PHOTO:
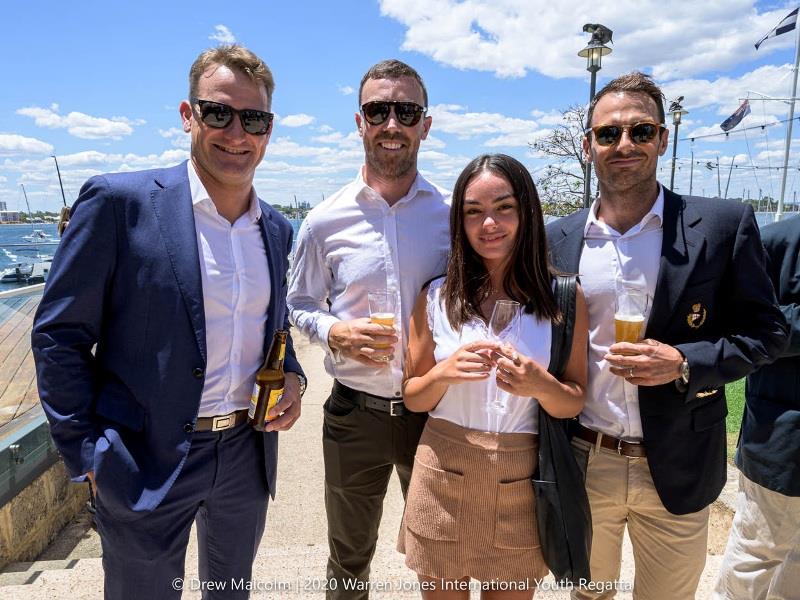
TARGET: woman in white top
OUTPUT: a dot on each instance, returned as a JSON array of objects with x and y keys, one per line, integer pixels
[{"x": 470, "y": 504}]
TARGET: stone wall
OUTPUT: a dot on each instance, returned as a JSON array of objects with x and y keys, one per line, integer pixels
[{"x": 30, "y": 521}]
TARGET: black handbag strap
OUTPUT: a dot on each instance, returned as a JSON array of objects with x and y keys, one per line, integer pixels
[{"x": 566, "y": 292}]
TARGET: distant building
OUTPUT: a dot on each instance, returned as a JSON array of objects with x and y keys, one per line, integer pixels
[
  {"x": 3, "y": 206},
  {"x": 8, "y": 216}
]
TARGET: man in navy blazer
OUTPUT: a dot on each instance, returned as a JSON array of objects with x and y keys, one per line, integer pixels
[
  {"x": 762, "y": 559},
  {"x": 163, "y": 297},
  {"x": 652, "y": 433}
]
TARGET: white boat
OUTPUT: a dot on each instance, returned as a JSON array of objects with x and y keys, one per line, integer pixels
[
  {"x": 29, "y": 273},
  {"x": 37, "y": 235}
]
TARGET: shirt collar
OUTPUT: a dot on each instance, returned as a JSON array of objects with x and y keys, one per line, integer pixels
[
  {"x": 418, "y": 186},
  {"x": 200, "y": 197},
  {"x": 653, "y": 218}
]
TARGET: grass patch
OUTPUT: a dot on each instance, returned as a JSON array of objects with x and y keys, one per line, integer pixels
[{"x": 734, "y": 392}]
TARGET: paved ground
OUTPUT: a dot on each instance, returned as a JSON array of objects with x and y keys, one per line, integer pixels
[{"x": 291, "y": 560}]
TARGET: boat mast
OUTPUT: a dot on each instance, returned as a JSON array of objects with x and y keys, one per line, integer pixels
[
  {"x": 30, "y": 216},
  {"x": 779, "y": 212},
  {"x": 61, "y": 185}
]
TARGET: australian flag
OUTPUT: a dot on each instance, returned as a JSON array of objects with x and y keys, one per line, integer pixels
[
  {"x": 736, "y": 117},
  {"x": 785, "y": 26}
]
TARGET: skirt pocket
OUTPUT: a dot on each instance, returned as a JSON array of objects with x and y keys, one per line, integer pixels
[
  {"x": 434, "y": 502},
  {"x": 515, "y": 520}
]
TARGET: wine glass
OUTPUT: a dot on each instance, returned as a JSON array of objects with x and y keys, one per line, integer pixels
[{"x": 503, "y": 328}]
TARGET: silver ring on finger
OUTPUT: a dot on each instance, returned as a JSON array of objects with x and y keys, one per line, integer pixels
[{"x": 630, "y": 373}]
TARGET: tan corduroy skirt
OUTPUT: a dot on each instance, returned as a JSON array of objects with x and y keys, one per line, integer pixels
[{"x": 470, "y": 506}]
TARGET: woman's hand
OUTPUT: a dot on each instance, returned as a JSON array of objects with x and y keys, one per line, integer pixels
[
  {"x": 471, "y": 362},
  {"x": 518, "y": 374}
]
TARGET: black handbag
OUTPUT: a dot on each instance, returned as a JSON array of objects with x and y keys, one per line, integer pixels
[{"x": 562, "y": 505}]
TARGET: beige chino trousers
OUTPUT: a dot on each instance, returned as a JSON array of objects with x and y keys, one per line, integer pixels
[{"x": 669, "y": 550}]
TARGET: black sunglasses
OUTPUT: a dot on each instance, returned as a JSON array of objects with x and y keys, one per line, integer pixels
[
  {"x": 407, "y": 113},
  {"x": 640, "y": 133},
  {"x": 219, "y": 116}
]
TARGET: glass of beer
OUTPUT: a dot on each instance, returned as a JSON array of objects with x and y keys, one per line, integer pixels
[
  {"x": 630, "y": 307},
  {"x": 382, "y": 310}
]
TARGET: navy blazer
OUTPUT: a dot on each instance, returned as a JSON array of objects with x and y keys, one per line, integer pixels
[
  {"x": 126, "y": 278},
  {"x": 714, "y": 302},
  {"x": 769, "y": 443}
]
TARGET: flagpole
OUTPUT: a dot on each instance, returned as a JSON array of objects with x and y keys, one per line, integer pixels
[{"x": 779, "y": 211}]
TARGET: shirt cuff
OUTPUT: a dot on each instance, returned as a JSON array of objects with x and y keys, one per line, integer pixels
[{"x": 324, "y": 325}]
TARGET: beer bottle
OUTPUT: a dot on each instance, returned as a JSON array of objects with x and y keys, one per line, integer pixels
[{"x": 268, "y": 389}]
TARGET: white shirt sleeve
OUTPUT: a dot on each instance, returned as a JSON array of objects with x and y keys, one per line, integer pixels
[{"x": 310, "y": 285}]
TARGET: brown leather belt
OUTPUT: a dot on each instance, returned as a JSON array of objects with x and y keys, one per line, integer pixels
[
  {"x": 629, "y": 449},
  {"x": 393, "y": 406},
  {"x": 222, "y": 422}
]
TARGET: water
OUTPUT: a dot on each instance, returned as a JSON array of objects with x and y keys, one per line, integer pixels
[
  {"x": 14, "y": 234},
  {"x": 11, "y": 255}
]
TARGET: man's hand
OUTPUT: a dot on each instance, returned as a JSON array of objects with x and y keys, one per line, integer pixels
[
  {"x": 289, "y": 406},
  {"x": 369, "y": 343},
  {"x": 645, "y": 363}
]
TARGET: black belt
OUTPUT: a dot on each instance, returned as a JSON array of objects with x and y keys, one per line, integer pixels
[
  {"x": 629, "y": 449},
  {"x": 393, "y": 406},
  {"x": 221, "y": 422}
]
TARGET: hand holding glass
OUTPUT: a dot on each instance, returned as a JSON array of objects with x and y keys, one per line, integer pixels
[
  {"x": 503, "y": 328},
  {"x": 382, "y": 310}
]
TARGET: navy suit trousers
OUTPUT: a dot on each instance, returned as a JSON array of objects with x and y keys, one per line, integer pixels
[{"x": 222, "y": 487}]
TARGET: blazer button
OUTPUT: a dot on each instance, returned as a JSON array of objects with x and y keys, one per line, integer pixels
[
  {"x": 188, "y": 428},
  {"x": 198, "y": 373}
]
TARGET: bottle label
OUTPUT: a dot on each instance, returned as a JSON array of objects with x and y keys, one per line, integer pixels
[
  {"x": 275, "y": 396},
  {"x": 251, "y": 411}
]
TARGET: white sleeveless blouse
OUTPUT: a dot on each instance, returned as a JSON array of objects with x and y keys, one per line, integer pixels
[{"x": 466, "y": 403}]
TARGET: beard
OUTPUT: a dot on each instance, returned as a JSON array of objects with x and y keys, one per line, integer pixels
[{"x": 390, "y": 165}]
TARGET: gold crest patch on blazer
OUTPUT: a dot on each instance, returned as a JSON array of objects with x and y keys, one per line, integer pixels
[{"x": 697, "y": 317}]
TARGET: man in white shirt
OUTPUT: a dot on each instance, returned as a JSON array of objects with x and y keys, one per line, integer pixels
[
  {"x": 386, "y": 231},
  {"x": 652, "y": 434},
  {"x": 178, "y": 276}
]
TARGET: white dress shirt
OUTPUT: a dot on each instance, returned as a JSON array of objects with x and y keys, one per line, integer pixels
[
  {"x": 467, "y": 404},
  {"x": 608, "y": 257},
  {"x": 354, "y": 243},
  {"x": 236, "y": 293}
]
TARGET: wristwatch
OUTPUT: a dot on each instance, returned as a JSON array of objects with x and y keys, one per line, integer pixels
[
  {"x": 684, "y": 370},
  {"x": 301, "y": 379}
]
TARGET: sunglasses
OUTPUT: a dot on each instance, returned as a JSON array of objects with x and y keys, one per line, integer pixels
[
  {"x": 219, "y": 116},
  {"x": 407, "y": 113},
  {"x": 639, "y": 133}
]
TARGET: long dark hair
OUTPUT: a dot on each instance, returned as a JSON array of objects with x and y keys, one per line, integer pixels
[{"x": 528, "y": 277}]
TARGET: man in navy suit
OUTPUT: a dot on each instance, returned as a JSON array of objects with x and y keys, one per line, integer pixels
[
  {"x": 762, "y": 559},
  {"x": 652, "y": 434},
  {"x": 177, "y": 278}
]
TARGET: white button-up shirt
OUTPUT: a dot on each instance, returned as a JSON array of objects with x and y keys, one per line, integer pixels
[
  {"x": 236, "y": 293},
  {"x": 608, "y": 258},
  {"x": 353, "y": 243}
]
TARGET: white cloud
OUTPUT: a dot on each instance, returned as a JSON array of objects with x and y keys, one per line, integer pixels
[
  {"x": 177, "y": 136},
  {"x": 223, "y": 35},
  {"x": 80, "y": 124},
  {"x": 346, "y": 90},
  {"x": 512, "y": 37},
  {"x": 12, "y": 144},
  {"x": 457, "y": 120},
  {"x": 432, "y": 143},
  {"x": 298, "y": 120}
]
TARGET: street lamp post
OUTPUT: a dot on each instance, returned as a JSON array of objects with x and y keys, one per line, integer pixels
[
  {"x": 677, "y": 112},
  {"x": 594, "y": 52}
]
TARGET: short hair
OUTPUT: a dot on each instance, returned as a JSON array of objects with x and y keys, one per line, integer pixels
[
  {"x": 236, "y": 57},
  {"x": 529, "y": 276},
  {"x": 392, "y": 69},
  {"x": 635, "y": 82}
]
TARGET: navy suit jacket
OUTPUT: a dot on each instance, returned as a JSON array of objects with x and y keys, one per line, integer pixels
[
  {"x": 126, "y": 281},
  {"x": 769, "y": 443},
  {"x": 711, "y": 256}
]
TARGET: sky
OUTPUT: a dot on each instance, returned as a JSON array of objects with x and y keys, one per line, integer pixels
[{"x": 98, "y": 84}]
